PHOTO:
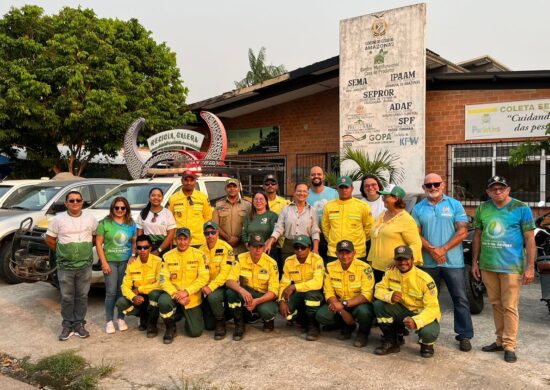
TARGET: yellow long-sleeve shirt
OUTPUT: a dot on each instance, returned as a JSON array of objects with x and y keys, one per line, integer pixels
[
  {"x": 276, "y": 205},
  {"x": 219, "y": 261},
  {"x": 419, "y": 293},
  {"x": 185, "y": 271},
  {"x": 143, "y": 276},
  {"x": 262, "y": 276},
  {"x": 349, "y": 219},
  {"x": 386, "y": 236},
  {"x": 307, "y": 276},
  {"x": 346, "y": 284},
  {"x": 192, "y": 214}
]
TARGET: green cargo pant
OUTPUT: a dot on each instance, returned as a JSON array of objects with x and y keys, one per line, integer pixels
[
  {"x": 194, "y": 324},
  {"x": 266, "y": 310},
  {"x": 305, "y": 303},
  {"x": 391, "y": 316},
  {"x": 149, "y": 304},
  {"x": 213, "y": 308},
  {"x": 362, "y": 313}
]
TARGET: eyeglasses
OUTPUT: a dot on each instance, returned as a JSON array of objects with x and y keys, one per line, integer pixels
[
  {"x": 75, "y": 201},
  {"x": 154, "y": 219},
  {"x": 430, "y": 185},
  {"x": 370, "y": 185},
  {"x": 259, "y": 200},
  {"x": 191, "y": 203},
  {"x": 498, "y": 189},
  {"x": 210, "y": 233},
  {"x": 300, "y": 248},
  {"x": 270, "y": 183},
  {"x": 142, "y": 248},
  {"x": 120, "y": 208}
]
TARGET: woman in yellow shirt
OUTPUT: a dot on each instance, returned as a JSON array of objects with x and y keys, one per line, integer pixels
[{"x": 394, "y": 227}]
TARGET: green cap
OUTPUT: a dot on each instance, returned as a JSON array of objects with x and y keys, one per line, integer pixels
[
  {"x": 345, "y": 245},
  {"x": 210, "y": 225},
  {"x": 395, "y": 191},
  {"x": 232, "y": 181},
  {"x": 302, "y": 240},
  {"x": 402, "y": 252},
  {"x": 256, "y": 240},
  {"x": 183, "y": 230},
  {"x": 344, "y": 181}
]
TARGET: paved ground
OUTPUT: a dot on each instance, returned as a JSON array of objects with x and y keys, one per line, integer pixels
[{"x": 29, "y": 325}]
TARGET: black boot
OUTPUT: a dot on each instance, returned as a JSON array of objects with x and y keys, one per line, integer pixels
[
  {"x": 238, "y": 318},
  {"x": 312, "y": 333},
  {"x": 426, "y": 351},
  {"x": 170, "y": 330},
  {"x": 143, "y": 320},
  {"x": 345, "y": 332},
  {"x": 152, "y": 330},
  {"x": 269, "y": 326},
  {"x": 361, "y": 339},
  {"x": 219, "y": 332},
  {"x": 389, "y": 341}
]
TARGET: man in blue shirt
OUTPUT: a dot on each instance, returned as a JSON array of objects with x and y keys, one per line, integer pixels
[
  {"x": 443, "y": 224},
  {"x": 319, "y": 196}
]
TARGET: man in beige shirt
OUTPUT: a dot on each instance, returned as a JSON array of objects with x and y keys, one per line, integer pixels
[{"x": 229, "y": 213}]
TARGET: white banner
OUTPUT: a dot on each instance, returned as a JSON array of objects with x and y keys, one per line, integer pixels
[
  {"x": 521, "y": 119},
  {"x": 383, "y": 87},
  {"x": 175, "y": 139}
]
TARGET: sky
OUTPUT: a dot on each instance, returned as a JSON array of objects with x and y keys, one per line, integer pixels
[{"x": 211, "y": 38}]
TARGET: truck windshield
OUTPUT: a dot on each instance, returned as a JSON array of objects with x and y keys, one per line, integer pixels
[
  {"x": 137, "y": 195},
  {"x": 31, "y": 197},
  {"x": 4, "y": 189}
]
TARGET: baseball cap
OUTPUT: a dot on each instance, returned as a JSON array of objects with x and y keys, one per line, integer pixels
[
  {"x": 232, "y": 181},
  {"x": 188, "y": 173},
  {"x": 395, "y": 191},
  {"x": 256, "y": 240},
  {"x": 345, "y": 245},
  {"x": 302, "y": 239},
  {"x": 497, "y": 180},
  {"x": 210, "y": 225},
  {"x": 183, "y": 230},
  {"x": 270, "y": 177},
  {"x": 344, "y": 181},
  {"x": 402, "y": 252}
]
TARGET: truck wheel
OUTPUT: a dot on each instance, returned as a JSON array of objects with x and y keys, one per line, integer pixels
[
  {"x": 5, "y": 257},
  {"x": 473, "y": 291}
]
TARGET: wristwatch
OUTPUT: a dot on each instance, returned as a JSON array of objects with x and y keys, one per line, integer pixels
[{"x": 345, "y": 303}]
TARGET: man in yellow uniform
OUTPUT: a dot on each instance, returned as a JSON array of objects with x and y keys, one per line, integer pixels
[
  {"x": 219, "y": 260},
  {"x": 300, "y": 290},
  {"x": 276, "y": 202},
  {"x": 346, "y": 218},
  {"x": 182, "y": 278},
  {"x": 229, "y": 214},
  {"x": 190, "y": 207},
  {"x": 141, "y": 287},
  {"x": 348, "y": 288},
  {"x": 407, "y": 298},
  {"x": 254, "y": 284}
]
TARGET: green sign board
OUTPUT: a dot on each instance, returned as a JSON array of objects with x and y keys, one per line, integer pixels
[{"x": 253, "y": 141}]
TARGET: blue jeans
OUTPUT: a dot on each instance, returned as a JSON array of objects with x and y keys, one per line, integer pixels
[
  {"x": 456, "y": 284},
  {"x": 74, "y": 286},
  {"x": 113, "y": 281}
]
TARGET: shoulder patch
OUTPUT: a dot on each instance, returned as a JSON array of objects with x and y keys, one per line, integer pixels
[
  {"x": 368, "y": 270},
  {"x": 431, "y": 285}
]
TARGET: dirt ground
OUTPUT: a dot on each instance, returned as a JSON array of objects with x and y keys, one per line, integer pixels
[{"x": 30, "y": 323}]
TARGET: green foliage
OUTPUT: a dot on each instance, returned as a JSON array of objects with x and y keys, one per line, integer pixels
[
  {"x": 184, "y": 383},
  {"x": 384, "y": 165},
  {"x": 259, "y": 71},
  {"x": 80, "y": 80},
  {"x": 521, "y": 153},
  {"x": 66, "y": 370}
]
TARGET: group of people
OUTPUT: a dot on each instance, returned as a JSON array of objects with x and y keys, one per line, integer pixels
[{"x": 327, "y": 259}]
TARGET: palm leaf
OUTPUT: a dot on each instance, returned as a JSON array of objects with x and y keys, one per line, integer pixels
[{"x": 385, "y": 165}]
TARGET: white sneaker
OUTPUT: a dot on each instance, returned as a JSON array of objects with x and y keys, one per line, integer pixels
[
  {"x": 122, "y": 325},
  {"x": 110, "y": 327}
]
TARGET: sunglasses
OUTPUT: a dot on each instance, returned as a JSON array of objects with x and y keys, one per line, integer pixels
[
  {"x": 154, "y": 219},
  {"x": 142, "y": 248},
  {"x": 430, "y": 185},
  {"x": 270, "y": 183},
  {"x": 75, "y": 201},
  {"x": 210, "y": 233},
  {"x": 300, "y": 248},
  {"x": 190, "y": 201},
  {"x": 120, "y": 208}
]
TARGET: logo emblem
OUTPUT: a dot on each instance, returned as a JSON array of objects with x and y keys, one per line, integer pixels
[
  {"x": 401, "y": 249},
  {"x": 344, "y": 244},
  {"x": 379, "y": 26},
  {"x": 495, "y": 229}
]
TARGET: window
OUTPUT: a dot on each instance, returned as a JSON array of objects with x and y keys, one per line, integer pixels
[{"x": 471, "y": 165}]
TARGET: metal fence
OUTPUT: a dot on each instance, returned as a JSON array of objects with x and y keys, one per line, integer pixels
[{"x": 328, "y": 161}]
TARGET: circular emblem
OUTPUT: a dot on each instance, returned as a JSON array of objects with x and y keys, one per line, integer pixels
[
  {"x": 120, "y": 239},
  {"x": 379, "y": 27},
  {"x": 257, "y": 238},
  {"x": 401, "y": 249},
  {"x": 495, "y": 229},
  {"x": 345, "y": 244},
  {"x": 496, "y": 178}
]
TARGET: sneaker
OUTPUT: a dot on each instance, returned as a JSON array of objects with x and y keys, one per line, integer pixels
[
  {"x": 122, "y": 325},
  {"x": 464, "y": 345},
  {"x": 65, "y": 334},
  {"x": 81, "y": 331},
  {"x": 110, "y": 327}
]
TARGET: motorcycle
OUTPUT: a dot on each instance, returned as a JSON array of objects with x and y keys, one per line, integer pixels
[{"x": 542, "y": 263}]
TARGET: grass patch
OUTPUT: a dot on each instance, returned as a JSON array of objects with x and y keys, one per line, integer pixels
[
  {"x": 184, "y": 383},
  {"x": 66, "y": 371}
]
